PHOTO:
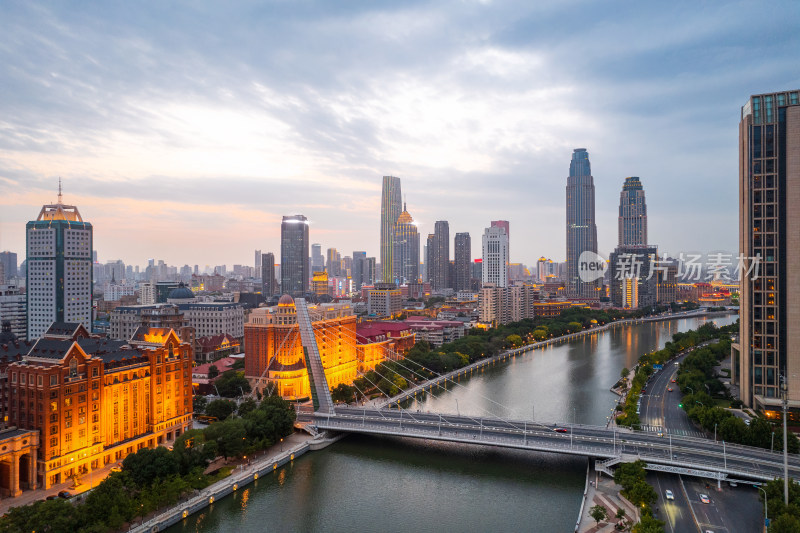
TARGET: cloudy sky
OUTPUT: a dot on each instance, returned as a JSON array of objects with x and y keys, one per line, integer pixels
[{"x": 185, "y": 130}]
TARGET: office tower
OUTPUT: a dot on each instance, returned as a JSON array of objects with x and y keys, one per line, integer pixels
[
  {"x": 390, "y": 211},
  {"x": 357, "y": 275},
  {"x": 429, "y": 258},
  {"x": 317, "y": 259},
  {"x": 334, "y": 262},
  {"x": 14, "y": 310},
  {"x": 294, "y": 255},
  {"x": 59, "y": 264},
  {"x": 406, "y": 249},
  {"x": 633, "y": 276},
  {"x": 769, "y": 227},
  {"x": 495, "y": 257},
  {"x": 440, "y": 256},
  {"x": 632, "y": 214},
  {"x": 505, "y": 225},
  {"x": 9, "y": 262},
  {"x": 268, "y": 281},
  {"x": 581, "y": 228},
  {"x": 463, "y": 261},
  {"x": 368, "y": 271}
]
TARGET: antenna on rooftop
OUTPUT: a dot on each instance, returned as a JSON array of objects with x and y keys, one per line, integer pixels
[{"x": 60, "y": 196}]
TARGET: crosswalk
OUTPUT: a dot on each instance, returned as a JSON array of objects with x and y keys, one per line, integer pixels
[{"x": 678, "y": 432}]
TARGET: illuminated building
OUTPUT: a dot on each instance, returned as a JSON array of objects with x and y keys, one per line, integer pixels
[
  {"x": 632, "y": 214},
  {"x": 125, "y": 320},
  {"x": 495, "y": 256},
  {"x": 59, "y": 268},
  {"x": 666, "y": 284},
  {"x": 629, "y": 287},
  {"x": 385, "y": 300},
  {"x": 274, "y": 353},
  {"x": 319, "y": 284},
  {"x": 214, "y": 318},
  {"x": 334, "y": 262},
  {"x": 294, "y": 255},
  {"x": 406, "y": 249},
  {"x": 581, "y": 227},
  {"x": 390, "y": 211},
  {"x": 93, "y": 400},
  {"x": 769, "y": 227},
  {"x": 462, "y": 245},
  {"x": 633, "y": 262}
]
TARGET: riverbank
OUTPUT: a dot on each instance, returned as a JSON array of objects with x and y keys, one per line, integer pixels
[
  {"x": 295, "y": 445},
  {"x": 477, "y": 365}
]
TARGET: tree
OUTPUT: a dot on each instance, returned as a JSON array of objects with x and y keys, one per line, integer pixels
[
  {"x": 221, "y": 409},
  {"x": 199, "y": 404},
  {"x": 514, "y": 341},
  {"x": 246, "y": 406},
  {"x": 229, "y": 435},
  {"x": 344, "y": 393},
  {"x": 620, "y": 513},
  {"x": 213, "y": 371},
  {"x": 624, "y": 373},
  {"x": 232, "y": 383},
  {"x": 598, "y": 513},
  {"x": 648, "y": 524},
  {"x": 150, "y": 464},
  {"x": 785, "y": 523}
]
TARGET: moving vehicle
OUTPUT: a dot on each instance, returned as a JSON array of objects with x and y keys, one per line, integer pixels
[
  {"x": 669, "y": 495},
  {"x": 673, "y": 381},
  {"x": 670, "y": 390},
  {"x": 704, "y": 498},
  {"x": 65, "y": 494},
  {"x": 560, "y": 430},
  {"x": 116, "y": 469}
]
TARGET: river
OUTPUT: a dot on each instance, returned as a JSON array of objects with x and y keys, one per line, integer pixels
[{"x": 383, "y": 484}]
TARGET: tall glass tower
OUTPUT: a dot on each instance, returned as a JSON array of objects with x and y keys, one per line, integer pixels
[
  {"x": 632, "y": 214},
  {"x": 406, "y": 249},
  {"x": 390, "y": 211},
  {"x": 59, "y": 268},
  {"x": 463, "y": 261},
  {"x": 581, "y": 228},
  {"x": 294, "y": 255}
]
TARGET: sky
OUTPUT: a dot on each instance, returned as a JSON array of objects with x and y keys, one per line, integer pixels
[{"x": 184, "y": 130}]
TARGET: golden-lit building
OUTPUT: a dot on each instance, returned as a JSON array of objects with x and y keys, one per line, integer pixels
[
  {"x": 95, "y": 400},
  {"x": 319, "y": 283},
  {"x": 274, "y": 357}
]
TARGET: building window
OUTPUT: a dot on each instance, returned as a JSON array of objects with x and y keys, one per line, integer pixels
[
  {"x": 53, "y": 380},
  {"x": 73, "y": 368},
  {"x": 95, "y": 372}
]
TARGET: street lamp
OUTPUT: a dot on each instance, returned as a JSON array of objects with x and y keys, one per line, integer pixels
[{"x": 765, "y": 504}]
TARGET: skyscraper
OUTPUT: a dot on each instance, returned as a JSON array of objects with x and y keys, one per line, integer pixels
[
  {"x": 406, "y": 249},
  {"x": 463, "y": 261},
  {"x": 258, "y": 262},
  {"x": 294, "y": 255},
  {"x": 59, "y": 268},
  {"x": 358, "y": 269},
  {"x": 429, "y": 257},
  {"x": 440, "y": 256},
  {"x": 581, "y": 228},
  {"x": 632, "y": 214},
  {"x": 268, "y": 281},
  {"x": 769, "y": 228},
  {"x": 9, "y": 262},
  {"x": 495, "y": 256},
  {"x": 334, "y": 264},
  {"x": 390, "y": 210},
  {"x": 506, "y": 226},
  {"x": 317, "y": 259}
]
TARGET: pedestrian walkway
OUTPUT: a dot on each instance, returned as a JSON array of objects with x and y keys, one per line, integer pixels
[
  {"x": 677, "y": 432},
  {"x": 603, "y": 491}
]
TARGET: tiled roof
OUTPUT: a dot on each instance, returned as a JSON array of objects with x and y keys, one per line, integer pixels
[{"x": 63, "y": 328}]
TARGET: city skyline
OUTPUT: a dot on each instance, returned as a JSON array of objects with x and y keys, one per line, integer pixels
[{"x": 159, "y": 133}]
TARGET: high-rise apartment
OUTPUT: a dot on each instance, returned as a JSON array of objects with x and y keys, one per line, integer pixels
[
  {"x": 390, "y": 211},
  {"x": 632, "y": 214},
  {"x": 258, "y": 262},
  {"x": 462, "y": 245},
  {"x": 268, "y": 280},
  {"x": 495, "y": 257},
  {"x": 334, "y": 263},
  {"x": 406, "y": 249},
  {"x": 9, "y": 262},
  {"x": 317, "y": 259},
  {"x": 440, "y": 256},
  {"x": 769, "y": 239},
  {"x": 581, "y": 228},
  {"x": 357, "y": 274},
  {"x": 59, "y": 268},
  {"x": 294, "y": 255}
]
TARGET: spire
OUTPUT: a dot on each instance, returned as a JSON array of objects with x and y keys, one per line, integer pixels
[{"x": 60, "y": 196}]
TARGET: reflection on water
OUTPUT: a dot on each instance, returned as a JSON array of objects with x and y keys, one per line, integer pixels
[{"x": 370, "y": 484}]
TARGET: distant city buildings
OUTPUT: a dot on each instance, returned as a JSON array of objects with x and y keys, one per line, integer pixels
[
  {"x": 439, "y": 256},
  {"x": 632, "y": 214},
  {"x": 294, "y": 255},
  {"x": 406, "y": 249},
  {"x": 14, "y": 310},
  {"x": 8, "y": 260},
  {"x": 390, "y": 211},
  {"x": 581, "y": 227},
  {"x": 59, "y": 268},
  {"x": 463, "y": 262},
  {"x": 769, "y": 241},
  {"x": 495, "y": 256}
]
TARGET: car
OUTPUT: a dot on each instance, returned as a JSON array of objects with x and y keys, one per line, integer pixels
[
  {"x": 65, "y": 494},
  {"x": 673, "y": 381},
  {"x": 52, "y": 497},
  {"x": 116, "y": 469},
  {"x": 747, "y": 423},
  {"x": 560, "y": 430},
  {"x": 643, "y": 391},
  {"x": 733, "y": 484},
  {"x": 660, "y": 433},
  {"x": 669, "y": 389},
  {"x": 704, "y": 498},
  {"x": 669, "y": 495}
]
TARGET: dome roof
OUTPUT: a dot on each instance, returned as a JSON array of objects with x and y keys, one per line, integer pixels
[
  {"x": 181, "y": 293},
  {"x": 286, "y": 300}
]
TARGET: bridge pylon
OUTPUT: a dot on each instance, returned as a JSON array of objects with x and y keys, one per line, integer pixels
[{"x": 320, "y": 392}]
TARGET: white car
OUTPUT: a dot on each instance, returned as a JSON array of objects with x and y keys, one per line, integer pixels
[
  {"x": 704, "y": 498},
  {"x": 669, "y": 495}
]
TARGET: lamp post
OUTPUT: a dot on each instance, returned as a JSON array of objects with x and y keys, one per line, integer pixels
[
  {"x": 785, "y": 398},
  {"x": 765, "y": 504},
  {"x": 715, "y": 433}
]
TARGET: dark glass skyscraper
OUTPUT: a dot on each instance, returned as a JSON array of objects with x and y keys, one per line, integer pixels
[
  {"x": 463, "y": 261},
  {"x": 632, "y": 214},
  {"x": 440, "y": 256},
  {"x": 294, "y": 255},
  {"x": 268, "y": 281},
  {"x": 581, "y": 228},
  {"x": 357, "y": 274},
  {"x": 390, "y": 211},
  {"x": 406, "y": 249}
]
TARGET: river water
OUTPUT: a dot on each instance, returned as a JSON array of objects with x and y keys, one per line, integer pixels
[{"x": 383, "y": 484}]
